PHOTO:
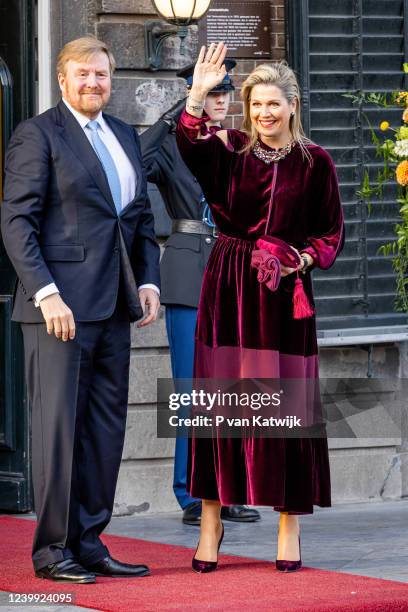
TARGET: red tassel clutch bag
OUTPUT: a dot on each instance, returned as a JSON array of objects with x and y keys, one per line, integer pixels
[{"x": 271, "y": 254}]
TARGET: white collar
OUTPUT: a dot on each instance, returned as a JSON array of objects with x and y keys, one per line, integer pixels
[{"x": 83, "y": 120}]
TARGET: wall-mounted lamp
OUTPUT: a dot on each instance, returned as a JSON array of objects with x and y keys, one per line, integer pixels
[{"x": 180, "y": 13}]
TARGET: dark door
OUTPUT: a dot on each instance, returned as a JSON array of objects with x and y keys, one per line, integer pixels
[{"x": 16, "y": 104}]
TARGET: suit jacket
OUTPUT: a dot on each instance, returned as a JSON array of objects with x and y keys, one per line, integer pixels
[
  {"x": 185, "y": 255},
  {"x": 59, "y": 221}
]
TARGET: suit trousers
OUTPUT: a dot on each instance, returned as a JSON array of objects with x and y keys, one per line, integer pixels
[
  {"x": 78, "y": 391},
  {"x": 180, "y": 324}
]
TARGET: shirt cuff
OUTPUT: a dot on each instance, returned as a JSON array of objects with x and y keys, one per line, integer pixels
[
  {"x": 44, "y": 292},
  {"x": 150, "y": 286}
]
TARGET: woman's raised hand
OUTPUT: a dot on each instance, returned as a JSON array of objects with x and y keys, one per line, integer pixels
[{"x": 209, "y": 70}]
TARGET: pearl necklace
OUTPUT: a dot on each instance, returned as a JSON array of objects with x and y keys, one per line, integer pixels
[{"x": 273, "y": 155}]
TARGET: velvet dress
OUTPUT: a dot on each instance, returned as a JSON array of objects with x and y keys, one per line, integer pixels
[{"x": 245, "y": 330}]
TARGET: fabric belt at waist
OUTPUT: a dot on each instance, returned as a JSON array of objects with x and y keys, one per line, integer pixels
[{"x": 191, "y": 226}]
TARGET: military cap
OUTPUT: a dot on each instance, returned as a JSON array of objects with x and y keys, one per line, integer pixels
[{"x": 226, "y": 85}]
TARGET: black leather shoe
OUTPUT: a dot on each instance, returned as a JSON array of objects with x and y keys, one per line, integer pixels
[
  {"x": 192, "y": 514},
  {"x": 66, "y": 571},
  {"x": 239, "y": 514},
  {"x": 115, "y": 569}
]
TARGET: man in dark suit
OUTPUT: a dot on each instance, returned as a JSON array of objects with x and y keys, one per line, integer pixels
[
  {"x": 78, "y": 228},
  {"x": 184, "y": 260}
]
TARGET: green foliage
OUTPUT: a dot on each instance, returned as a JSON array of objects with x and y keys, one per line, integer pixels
[{"x": 370, "y": 189}]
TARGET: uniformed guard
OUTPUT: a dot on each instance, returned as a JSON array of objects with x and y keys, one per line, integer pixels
[{"x": 185, "y": 256}]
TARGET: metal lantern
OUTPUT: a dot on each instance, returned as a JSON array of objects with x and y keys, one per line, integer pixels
[{"x": 181, "y": 12}]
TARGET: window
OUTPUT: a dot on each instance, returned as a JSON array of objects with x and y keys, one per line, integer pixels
[{"x": 338, "y": 47}]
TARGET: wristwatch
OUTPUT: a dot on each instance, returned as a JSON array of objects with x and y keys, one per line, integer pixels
[{"x": 305, "y": 263}]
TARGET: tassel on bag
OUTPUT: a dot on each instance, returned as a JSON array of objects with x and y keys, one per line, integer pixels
[{"x": 301, "y": 306}]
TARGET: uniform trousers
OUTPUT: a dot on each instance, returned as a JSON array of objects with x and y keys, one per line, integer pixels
[{"x": 180, "y": 323}]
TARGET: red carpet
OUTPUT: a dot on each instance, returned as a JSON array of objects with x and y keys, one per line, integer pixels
[{"x": 240, "y": 584}]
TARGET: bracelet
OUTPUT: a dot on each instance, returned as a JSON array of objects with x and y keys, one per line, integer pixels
[
  {"x": 305, "y": 263},
  {"x": 193, "y": 107}
]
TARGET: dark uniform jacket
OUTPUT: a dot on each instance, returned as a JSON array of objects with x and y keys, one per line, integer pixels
[{"x": 185, "y": 255}]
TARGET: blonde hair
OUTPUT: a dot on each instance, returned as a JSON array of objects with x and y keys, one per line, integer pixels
[
  {"x": 82, "y": 49},
  {"x": 280, "y": 75}
]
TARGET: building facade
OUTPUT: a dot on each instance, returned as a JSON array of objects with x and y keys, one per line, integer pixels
[{"x": 338, "y": 47}]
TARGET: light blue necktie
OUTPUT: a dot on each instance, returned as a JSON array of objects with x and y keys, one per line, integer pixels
[{"x": 108, "y": 164}]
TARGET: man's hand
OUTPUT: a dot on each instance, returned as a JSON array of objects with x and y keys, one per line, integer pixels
[
  {"x": 149, "y": 300},
  {"x": 172, "y": 115},
  {"x": 58, "y": 317}
]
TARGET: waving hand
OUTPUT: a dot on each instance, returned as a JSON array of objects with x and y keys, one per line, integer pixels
[{"x": 209, "y": 70}]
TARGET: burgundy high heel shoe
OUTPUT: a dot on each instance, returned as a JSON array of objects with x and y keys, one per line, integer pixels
[
  {"x": 204, "y": 567},
  {"x": 289, "y": 566}
]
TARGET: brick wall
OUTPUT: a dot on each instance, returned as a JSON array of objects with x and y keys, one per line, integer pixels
[
  {"x": 140, "y": 96},
  {"x": 245, "y": 66},
  {"x": 121, "y": 24}
]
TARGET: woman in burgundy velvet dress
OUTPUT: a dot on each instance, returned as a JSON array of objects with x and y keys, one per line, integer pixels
[{"x": 267, "y": 180}]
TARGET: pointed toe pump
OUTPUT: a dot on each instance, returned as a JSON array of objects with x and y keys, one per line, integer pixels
[
  {"x": 289, "y": 566},
  {"x": 204, "y": 567}
]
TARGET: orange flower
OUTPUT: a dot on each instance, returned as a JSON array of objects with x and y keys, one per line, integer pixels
[
  {"x": 402, "y": 173},
  {"x": 405, "y": 116}
]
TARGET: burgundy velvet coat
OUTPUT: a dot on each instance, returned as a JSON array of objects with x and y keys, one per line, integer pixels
[{"x": 245, "y": 330}]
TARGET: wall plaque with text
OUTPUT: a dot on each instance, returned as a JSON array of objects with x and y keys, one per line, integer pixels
[{"x": 243, "y": 26}]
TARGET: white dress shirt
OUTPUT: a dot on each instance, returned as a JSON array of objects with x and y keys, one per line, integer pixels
[{"x": 127, "y": 177}]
